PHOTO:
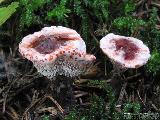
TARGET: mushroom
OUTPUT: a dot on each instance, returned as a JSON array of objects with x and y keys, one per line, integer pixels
[
  {"x": 124, "y": 52},
  {"x": 127, "y": 52},
  {"x": 57, "y": 51}
]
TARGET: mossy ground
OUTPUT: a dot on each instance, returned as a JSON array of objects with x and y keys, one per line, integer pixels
[{"x": 25, "y": 94}]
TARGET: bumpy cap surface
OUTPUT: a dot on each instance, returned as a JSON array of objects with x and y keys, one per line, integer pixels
[
  {"x": 56, "y": 50},
  {"x": 129, "y": 52}
]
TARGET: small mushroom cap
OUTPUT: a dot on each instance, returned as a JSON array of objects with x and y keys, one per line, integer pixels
[
  {"x": 129, "y": 52},
  {"x": 56, "y": 50}
]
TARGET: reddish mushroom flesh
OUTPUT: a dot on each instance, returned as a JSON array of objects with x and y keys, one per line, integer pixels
[
  {"x": 129, "y": 48},
  {"x": 47, "y": 45}
]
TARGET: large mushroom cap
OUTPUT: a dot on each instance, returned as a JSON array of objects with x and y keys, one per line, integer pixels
[
  {"x": 56, "y": 50},
  {"x": 129, "y": 52}
]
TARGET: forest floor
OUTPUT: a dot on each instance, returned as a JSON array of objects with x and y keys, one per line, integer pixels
[{"x": 98, "y": 94}]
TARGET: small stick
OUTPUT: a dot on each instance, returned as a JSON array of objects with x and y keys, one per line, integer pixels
[
  {"x": 56, "y": 103},
  {"x": 122, "y": 93},
  {"x": 131, "y": 77},
  {"x": 140, "y": 98}
]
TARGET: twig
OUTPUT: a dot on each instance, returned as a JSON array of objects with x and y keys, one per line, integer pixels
[
  {"x": 40, "y": 101},
  {"x": 122, "y": 92},
  {"x": 5, "y": 98},
  {"x": 153, "y": 105},
  {"x": 140, "y": 98},
  {"x": 81, "y": 94},
  {"x": 80, "y": 81},
  {"x": 13, "y": 111},
  {"x": 139, "y": 15},
  {"x": 155, "y": 4},
  {"x": 56, "y": 103},
  {"x": 105, "y": 69},
  {"x": 131, "y": 77},
  {"x": 28, "y": 109},
  {"x": 96, "y": 40}
]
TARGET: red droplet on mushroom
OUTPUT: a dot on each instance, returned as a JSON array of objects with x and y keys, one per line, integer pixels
[{"x": 129, "y": 48}]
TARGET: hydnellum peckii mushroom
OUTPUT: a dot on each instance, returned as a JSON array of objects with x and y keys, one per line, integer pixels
[
  {"x": 124, "y": 52},
  {"x": 55, "y": 51}
]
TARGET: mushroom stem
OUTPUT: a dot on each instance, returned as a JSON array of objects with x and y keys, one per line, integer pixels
[
  {"x": 62, "y": 90},
  {"x": 116, "y": 79}
]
